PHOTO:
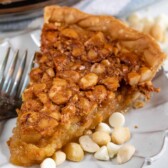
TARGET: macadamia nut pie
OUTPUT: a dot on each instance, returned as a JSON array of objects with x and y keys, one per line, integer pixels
[{"x": 89, "y": 67}]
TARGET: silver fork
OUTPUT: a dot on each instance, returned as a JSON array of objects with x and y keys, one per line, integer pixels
[{"x": 13, "y": 80}]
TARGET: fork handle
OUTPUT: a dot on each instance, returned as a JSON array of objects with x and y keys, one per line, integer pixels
[{"x": 8, "y": 107}]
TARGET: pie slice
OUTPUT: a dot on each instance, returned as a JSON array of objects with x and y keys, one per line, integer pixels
[{"x": 89, "y": 67}]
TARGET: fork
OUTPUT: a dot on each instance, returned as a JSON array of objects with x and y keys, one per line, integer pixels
[{"x": 13, "y": 80}]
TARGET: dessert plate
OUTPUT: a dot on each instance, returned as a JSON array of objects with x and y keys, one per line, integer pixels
[{"x": 149, "y": 128}]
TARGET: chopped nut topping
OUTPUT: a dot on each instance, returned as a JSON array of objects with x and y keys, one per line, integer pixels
[
  {"x": 111, "y": 83},
  {"x": 88, "y": 81},
  {"x": 70, "y": 33},
  {"x": 133, "y": 78},
  {"x": 83, "y": 76}
]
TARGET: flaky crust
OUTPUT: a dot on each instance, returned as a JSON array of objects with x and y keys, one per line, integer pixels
[{"x": 143, "y": 45}]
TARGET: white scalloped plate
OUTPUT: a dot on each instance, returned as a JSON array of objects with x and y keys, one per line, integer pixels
[{"x": 149, "y": 138}]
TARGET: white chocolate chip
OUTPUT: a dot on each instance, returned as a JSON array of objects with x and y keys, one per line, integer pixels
[
  {"x": 134, "y": 19},
  {"x": 125, "y": 153},
  {"x": 148, "y": 23},
  {"x": 135, "y": 22},
  {"x": 112, "y": 149},
  {"x": 59, "y": 157},
  {"x": 162, "y": 18},
  {"x": 48, "y": 163},
  {"x": 103, "y": 127},
  {"x": 102, "y": 154},
  {"x": 88, "y": 144},
  {"x": 117, "y": 119},
  {"x": 120, "y": 135}
]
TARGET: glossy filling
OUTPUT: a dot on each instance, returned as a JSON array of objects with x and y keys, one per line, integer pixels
[{"x": 83, "y": 76}]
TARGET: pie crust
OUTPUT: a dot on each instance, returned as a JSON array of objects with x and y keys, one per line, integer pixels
[
  {"x": 89, "y": 67},
  {"x": 138, "y": 42}
]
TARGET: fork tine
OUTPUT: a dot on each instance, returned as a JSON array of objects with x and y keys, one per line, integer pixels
[
  {"x": 3, "y": 66},
  {"x": 8, "y": 79},
  {"x": 18, "y": 75},
  {"x": 25, "y": 82}
]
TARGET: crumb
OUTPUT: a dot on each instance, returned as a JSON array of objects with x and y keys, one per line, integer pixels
[{"x": 135, "y": 126}]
